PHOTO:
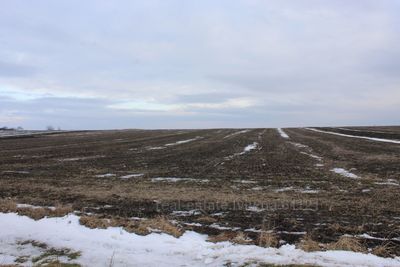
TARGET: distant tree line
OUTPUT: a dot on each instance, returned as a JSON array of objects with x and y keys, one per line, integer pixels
[
  {"x": 19, "y": 128},
  {"x": 51, "y": 128},
  {"x": 5, "y": 128}
]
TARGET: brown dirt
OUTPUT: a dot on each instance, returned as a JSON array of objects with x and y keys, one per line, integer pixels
[{"x": 276, "y": 186}]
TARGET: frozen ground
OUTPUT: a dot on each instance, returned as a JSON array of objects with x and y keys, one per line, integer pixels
[
  {"x": 116, "y": 247},
  {"x": 356, "y": 136},
  {"x": 287, "y": 183},
  {"x": 282, "y": 133},
  {"x": 344, "y": 173}
]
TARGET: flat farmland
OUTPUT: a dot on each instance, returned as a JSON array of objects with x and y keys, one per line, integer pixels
[{"x": 319, "y": 183}]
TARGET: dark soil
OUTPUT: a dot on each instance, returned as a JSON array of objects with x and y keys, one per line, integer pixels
[{"x": 281, "y": 185}]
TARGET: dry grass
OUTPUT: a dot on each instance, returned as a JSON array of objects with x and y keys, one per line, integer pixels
[
  {"x": 7, "y": 205},
  {"x": 384, "y": 250},
  {"x": 222, "y": 237},
  {"x": 36, "y": 213},
  {"x": 238, "y": 238},
  {"x": 94, "y": 222},
  {"x": 347, "y": 229},
  {"x": 144, "y": 227},
  {"x": 309, "y": 245},
  {"x": 242, "y": 239},
  {"x": 39, "y": 213},
  {"x": 61, "y": 210},
  {"x": 347, "y": 243},
  {"x": 160, "y": 223},
  {"x": 267, "y": 239}
]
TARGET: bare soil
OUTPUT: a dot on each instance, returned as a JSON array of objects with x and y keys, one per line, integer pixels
[{"x": 286, "y": 186}]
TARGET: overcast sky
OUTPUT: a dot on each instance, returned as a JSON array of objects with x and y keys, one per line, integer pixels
[{"x": 199, "y": 64}]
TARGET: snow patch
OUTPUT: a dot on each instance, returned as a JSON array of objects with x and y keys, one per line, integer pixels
[
  {"x": 236, "y": 133},
  {"x": 282, "y": 133},
  {"x": 355, "y": 136},
  {"x": 299, "y": 145},
  {"x": 184, "y": 141},
  {"x": 312, "y": 156},
  {"x": 135, "y": 175},
  {"x": 245, "y": 181},
  {"x": 344, "y": 173},
  {"x": 177, "y": 179},
  {"x": 81, "y": 158},
  {"x": 105, "y": 175},
  {"x": 173, "y": 144},
  {"x": 99, "y": 246},
  {"x": 247, "y": 149},
  {"x": 194, "y": 224},
  {"x": 223, "y": 228},
  {"x": 284, "y": 189},
  {"x": 257, "y": 188},
  {"x": 389, "y": 182},
  {"x": 254, "y": 209},
  {"x": 28, "y": 206},
  {"x": 155, "y": 147},
  {"x": 250, "y": 147},
  {"x": 183, "y": 213}
]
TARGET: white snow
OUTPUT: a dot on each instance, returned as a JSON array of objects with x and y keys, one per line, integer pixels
[
  {"x": 309, "y": 191},
  {"x": 81, "y": 158},
  {"x": 177, "y": 179},
  {"x": 183, "y": 213},
  {"x": 284, "y": 189},
  {"x": 247, "y": 149},
  {"x": 368, "y": 131},
  {"x": 253, "y": 230},
  {"x": 135, "y": 175},
  {"x": 236, "y": 133},
  {"x": 245, "y": 181},
  {"x": 306, "y": 190},
  {"x": 292, "y": 233},
  {"x": 194, "y": 224},
  {"x": 312, "y": 156},
  {"x": 105, "y": 175},
  {"x": 254, "y": 209},
  {"x": 344, "y": 173},
  {"x": 28, "y": 206},
  {"x": 389, "y": 182},
  {"x": 282, "y": 133},
  {"x": 219, "y": 227},
  {"x": 174, "y": 144},
  {"x": 155, "y": 147},
  {"x": 257, "y": 188},
  {"x": 99, "y": 246},
  {"x": 250, "y": 147},
  {"x": 299, "y": 145},
  {"x": 183, "y": 141},
  {"x": 355, "y": 136}
]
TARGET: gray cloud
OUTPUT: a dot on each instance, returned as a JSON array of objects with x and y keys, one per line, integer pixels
[
  {"x": 8, "y": 69},
  {"x": 199, "y": 63}
]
